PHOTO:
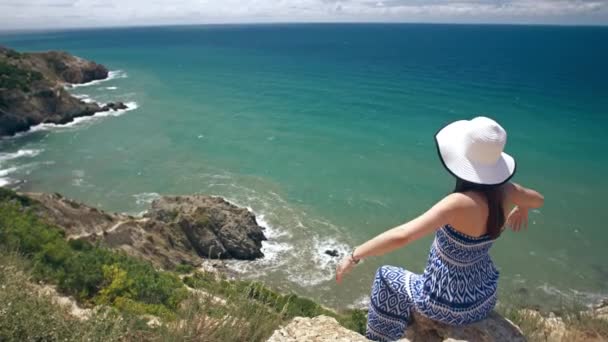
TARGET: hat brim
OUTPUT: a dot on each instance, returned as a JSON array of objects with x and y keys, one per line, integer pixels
[{"x": 450, "y": 147}]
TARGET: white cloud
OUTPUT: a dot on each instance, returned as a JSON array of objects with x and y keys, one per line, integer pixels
[{"x": 77, "y": 13}]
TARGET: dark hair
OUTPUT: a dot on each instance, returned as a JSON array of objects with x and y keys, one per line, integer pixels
[{"x": 494, "y": 198}]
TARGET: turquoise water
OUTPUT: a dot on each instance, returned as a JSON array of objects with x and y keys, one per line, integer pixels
[{"x": 326, "y": 132}]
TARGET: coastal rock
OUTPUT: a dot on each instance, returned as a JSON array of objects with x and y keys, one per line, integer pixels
[
  {"x": 114, "y": 106},
  {"x": 551, "y": 328},
  {"x": 177, "y": 230},
  {"x": 318, "y": 329},
  {"x": 32, "y": 89},
  {"x": 332, "y": 253},
  {"x": 214, "y": 227},
  {"x": 67, "y": 68},
  {"x": 323, "y": 328},
  {"x": 493, "y": 328}
]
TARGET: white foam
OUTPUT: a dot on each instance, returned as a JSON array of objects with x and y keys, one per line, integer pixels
[
  {"x": 361, "y": 303},
  {"x": 112, "y": 75},
  {"x": 4, "y": 181},
  {"x": 588, "y": 298},
  {"x": 3, "y": 173},
  {"x": 111, "y": 88},
  {"x": 84, "y": 98},
  {"x": 324, "y": 265},
  {"x": 19, "y": 154},
  {"x": 6, "y": 172},
  {"x": 78, "y": 177},
  {"x": 146, "y": 197}
]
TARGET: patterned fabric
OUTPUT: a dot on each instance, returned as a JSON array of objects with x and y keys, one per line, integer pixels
[{"x": 458, "y": 287}]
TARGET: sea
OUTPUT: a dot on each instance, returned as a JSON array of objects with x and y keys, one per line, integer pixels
[{"x": 325, "y": 132}]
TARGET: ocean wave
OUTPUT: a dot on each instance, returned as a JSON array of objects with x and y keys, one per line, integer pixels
[
  {"x": 112, "y": 75},
  {"x": 19, "y": 154},
  {"x": 323, "y": 265},
  {"x": 84, "y": 98},
  {"x": 79, "y": 120},
  {"x": 362, "y": 303},
  {"x": 146, "y": 198},
  {"x": 111, "y": 88},
  {"x": 6, "y": 172},
  {"x": 588, "y": 298},
  {"x": 4, "y": 180},
  {"x": 292, "y": 250}
]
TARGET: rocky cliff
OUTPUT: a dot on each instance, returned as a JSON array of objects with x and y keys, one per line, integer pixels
[
  {"x": 32, "y": 89},
  {"x": 177, "y": 230}
]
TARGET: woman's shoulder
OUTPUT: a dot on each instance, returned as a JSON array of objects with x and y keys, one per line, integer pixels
[
  {"x": 468, "y": 211},
  {"x": 463, "y": 200}
]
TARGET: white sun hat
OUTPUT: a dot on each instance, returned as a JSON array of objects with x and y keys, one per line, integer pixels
[{"x": 472, "y": 150}]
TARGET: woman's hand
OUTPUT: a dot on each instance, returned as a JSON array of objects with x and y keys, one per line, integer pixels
[
  {"x": 346, "y": 265},
  {"x": 518, "y": 218}
]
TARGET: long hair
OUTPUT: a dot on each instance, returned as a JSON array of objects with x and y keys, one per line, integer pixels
[{"x": 494, "y": 198}]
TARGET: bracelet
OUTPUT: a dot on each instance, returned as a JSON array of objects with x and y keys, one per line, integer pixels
[{"x": 352, "y": 257}]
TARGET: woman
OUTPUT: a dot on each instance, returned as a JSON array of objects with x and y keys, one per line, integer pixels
[{"x": 459, "y": 283}]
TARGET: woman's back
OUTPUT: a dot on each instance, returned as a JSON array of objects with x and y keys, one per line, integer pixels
[
  {"x": 459, "y": 283},
  {"x": 472, "y": 214}
]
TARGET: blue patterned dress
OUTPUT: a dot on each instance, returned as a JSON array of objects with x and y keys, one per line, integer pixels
[{"x": 458, "y": 287}]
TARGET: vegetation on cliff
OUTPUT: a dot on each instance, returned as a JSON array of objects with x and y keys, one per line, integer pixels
[
  {"x": 32, "y": 89},
  {"x": 12, "y": 77},
  {"x": 209, "y": 308}
]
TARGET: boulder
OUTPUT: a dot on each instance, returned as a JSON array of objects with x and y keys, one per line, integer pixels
[
  {"x": 493, "y": 328},
  {"x": 318, "y": 329},
  {"x": 114, "y": 106},
  {"x": 214, "y": 227},
  {"x": 327, "y": 329}
]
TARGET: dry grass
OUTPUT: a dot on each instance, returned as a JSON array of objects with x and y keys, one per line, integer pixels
[
  {"x": 26, "y": 315},
  {"x": 571, "y": 323}
]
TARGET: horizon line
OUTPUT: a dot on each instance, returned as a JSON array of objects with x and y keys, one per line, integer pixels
[{"x": 286, "y": 23}]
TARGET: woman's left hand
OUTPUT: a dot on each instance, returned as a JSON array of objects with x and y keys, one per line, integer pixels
[{"x": 344, "y": 267}]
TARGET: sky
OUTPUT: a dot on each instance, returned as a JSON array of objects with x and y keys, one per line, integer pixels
[{"x": 40, "y": 14}]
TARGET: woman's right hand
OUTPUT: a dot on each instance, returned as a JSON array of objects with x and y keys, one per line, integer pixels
[
  {"x": 344, "y": 267},
  {"x": 518, "y": 218}
]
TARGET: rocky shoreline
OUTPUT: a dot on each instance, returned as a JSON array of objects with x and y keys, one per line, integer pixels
[
  {"x": 177, "y": 230},
  {"x": 33, "y": 89}
]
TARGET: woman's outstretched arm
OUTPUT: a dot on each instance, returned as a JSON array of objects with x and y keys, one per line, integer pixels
[
  {"x": 439, "y": 215},
  {"x": 523, "y": 199}
]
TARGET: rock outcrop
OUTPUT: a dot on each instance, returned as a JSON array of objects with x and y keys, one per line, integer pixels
[
  {"x": 327, "y": 329},
  {"x": 493, "y": 328},
  {"x": 318, "y": 329},
  {"x": 32, "y": 89},
  {"x": 214, "y": 227},
  {"x": 177, "y": 230}
]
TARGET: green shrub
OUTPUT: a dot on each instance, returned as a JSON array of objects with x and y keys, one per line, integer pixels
[
  {"x": 289, "y": 305},
  {"x": 12, "y": 77},
  {"x": 248, "y": 311},
  {"x": 184, "y": 269},
  {"x": 89, "y": 273}
]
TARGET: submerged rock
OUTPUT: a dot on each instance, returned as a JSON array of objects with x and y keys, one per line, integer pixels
[
  {"x": 114, "y": 106},
  {"x": 332, "y": 253}
]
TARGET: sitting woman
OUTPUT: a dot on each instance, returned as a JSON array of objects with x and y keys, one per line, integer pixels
[{"x": 459, "y": 283}]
